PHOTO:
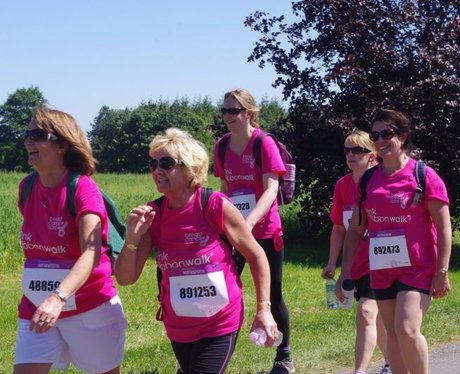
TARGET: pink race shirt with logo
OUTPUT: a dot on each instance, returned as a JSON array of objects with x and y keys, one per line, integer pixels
[
  {"x": 243, "y": 175},
  {"x": 391, "y": 214},
  {"x": 342, "y": 206},
  {"x": 49, "y": 236},
  {"x": 201, "y": 293}
]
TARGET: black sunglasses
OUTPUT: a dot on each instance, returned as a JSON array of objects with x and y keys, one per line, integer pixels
[
  {"x": 165, "y": 163},
  {"x": 39, "y": 135},
  {"x": 384, "y": 134},
  {"x": 231, "y": 111},
  {"x": 355, "y": 150}
]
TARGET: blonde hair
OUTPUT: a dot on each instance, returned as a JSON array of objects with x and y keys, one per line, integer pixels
[
  {"x": 361, "y": 138},
  {"x": 78, "y": 156},
  {"x": 182, "y": 146},
  {"x": 247, "y": 102}
]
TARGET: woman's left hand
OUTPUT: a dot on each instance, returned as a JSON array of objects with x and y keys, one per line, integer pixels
[
  {"x": 264, "y": 319},
  {"x": 46, "y": 314},
  {"x": 440, "y": 286}
]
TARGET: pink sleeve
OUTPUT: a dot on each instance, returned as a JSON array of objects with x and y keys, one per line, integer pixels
[
  {"x": 435, "y": 187},
  {"x": 215, "y": 211},
  {"x": 21, "y": 187},
  {"x": 88, "y": 199},
  {"x": 337, "y": 206},
  {"x": 271, "y": 158}
]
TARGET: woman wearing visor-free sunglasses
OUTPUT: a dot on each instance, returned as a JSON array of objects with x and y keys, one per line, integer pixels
[
  {"x": 254, "y": 191},
  {"x": 409, "y": 241},
  {"x": 201, "y": 301},
  {"x": 360, "y": 155},
  {"x": 67, "y": 282}
]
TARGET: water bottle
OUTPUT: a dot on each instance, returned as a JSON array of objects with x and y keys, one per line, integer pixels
[
  {"x": 331, "y": 299},
  {"x": 348, "y": 290},
  {"x": 258, "y": 337}
]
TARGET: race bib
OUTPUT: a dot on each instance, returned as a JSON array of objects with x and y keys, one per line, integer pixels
[
  {"x": 346, "y": 216},
  {"x": 245, "y": 202},
  {"x": 198, "y": 291},
  {"x": 388, "y": 249},
  {"x": 41, "y": 277}
]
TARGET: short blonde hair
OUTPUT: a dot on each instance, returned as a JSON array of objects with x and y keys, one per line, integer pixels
[
  {"x": 78, "y": 156},
  {"x": 247, "y": 102},
  {"x": 361, "y": 138},
  {"x": 182, "y": 146}
]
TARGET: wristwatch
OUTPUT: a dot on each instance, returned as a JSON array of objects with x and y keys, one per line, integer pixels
[
  {"x": 60, "y": 295},
  {"x": 443, "y": 271}
]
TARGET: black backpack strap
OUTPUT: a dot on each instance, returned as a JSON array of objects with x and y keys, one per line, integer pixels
[
  {"x": 223, "y": 144},
  {"x": 27, "y": 188},
  {"x": 72, "y": 182},
  {"x": 206, "y": 193},
  {"x": 159, "y": 202},
  {"x": 420, "y": 177},
  {"x": 363, "y": 189}
]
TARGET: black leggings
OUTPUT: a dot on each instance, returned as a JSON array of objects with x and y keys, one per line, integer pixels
[
  {"x": 205, "y": 356},
  {"x": 279, "y": 309}
]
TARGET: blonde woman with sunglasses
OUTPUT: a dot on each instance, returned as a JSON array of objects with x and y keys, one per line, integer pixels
[
  {"x": 410, "y": 241},
  {"x": 360, "y": 155},
  {"x": 201, "y": 301}
]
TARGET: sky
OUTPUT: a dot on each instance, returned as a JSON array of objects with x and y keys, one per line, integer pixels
[{"x": 85, "y": 54}]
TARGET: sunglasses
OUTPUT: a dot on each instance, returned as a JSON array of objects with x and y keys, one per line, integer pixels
[
  {"x": 165, "y": 163},
  {"x": 231, "y": 111},
  {"x": 39, "y": 135},
  {"x": 355, "y": 150},
  {"x": 384, "y": 134}
]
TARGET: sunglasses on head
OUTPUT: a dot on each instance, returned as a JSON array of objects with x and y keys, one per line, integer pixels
[
  {"x": 165, "y": 163},
  {"x": 384, "y": 134},
  {"x": 231, "y": 111},
  {"x": 355, "y": 150},
  {"x": 39, "y": 135}
]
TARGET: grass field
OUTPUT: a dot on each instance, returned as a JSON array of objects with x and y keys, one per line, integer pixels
[{"x": 322, "y": 340}]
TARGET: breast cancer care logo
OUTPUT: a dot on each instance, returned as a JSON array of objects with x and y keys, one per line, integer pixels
[{"x": 57, "y": 224}]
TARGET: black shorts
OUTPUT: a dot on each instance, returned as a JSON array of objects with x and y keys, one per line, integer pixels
[
  {"x": 392, "y": 291},
  {"x": 363, "y": 288}
]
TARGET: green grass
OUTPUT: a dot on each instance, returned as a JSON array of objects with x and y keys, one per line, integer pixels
[{"x": 322, "y": 340}]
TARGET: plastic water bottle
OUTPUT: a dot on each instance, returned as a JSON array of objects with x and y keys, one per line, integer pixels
[
  {"x": 348, "y": 290},
  {"x": 331, "y": 299},
  {"x": 258, "y": 337}
]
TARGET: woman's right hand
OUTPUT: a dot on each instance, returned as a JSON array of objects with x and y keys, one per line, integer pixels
[
  {"x": 138, "y": 222},
  {"x": 328, "y": 271}
]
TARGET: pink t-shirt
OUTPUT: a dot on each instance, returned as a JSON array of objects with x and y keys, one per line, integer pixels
[
  {"x": 244, "y": 177},
  {"x": 50, "y": 234},
  {"x": 342, "y": 207},
  {"x": 201, "y": 292},
  {"x": 390, "y": 213}
]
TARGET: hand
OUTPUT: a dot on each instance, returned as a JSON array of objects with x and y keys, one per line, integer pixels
[
  {"x": 440, "y": 286},
  {"x": 329, "y": 269},
  {"x": 46, "y": 314},
  {"x": 264, "y": 320},
  {"x": 338, "y": 287},
  {"x": 138, "y": 222}
]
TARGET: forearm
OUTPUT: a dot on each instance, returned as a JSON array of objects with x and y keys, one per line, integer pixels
[{"x": 131, "y": 260}]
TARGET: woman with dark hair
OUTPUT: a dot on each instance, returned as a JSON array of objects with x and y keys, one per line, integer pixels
[
  {"x": 410, "y": 241},
  {"x": 70, "y": 310}
]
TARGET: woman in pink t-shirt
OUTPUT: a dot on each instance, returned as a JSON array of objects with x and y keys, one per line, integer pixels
[
  {"x": 201, "y": 302},
  {"x": 254, "y": 191},
  {"x": 409, "y": 241},
  {"x": 70, "y": 310},
  {"x": 360, "y": 155}
]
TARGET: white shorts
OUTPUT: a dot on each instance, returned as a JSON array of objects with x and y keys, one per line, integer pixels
[{"x": 93, "y": 341}]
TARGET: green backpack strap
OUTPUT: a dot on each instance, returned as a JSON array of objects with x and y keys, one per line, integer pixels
[
  {"x": 420, "y": 176},
  {"x": 71, "y": 188},
  {"x": 27, "y": 188},
  {"x": 363, "y": 189}
]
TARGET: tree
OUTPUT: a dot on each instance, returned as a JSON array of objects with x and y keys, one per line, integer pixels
[
  {"x": 15, "y": 115},
  {"x": 339, "y": 61}
]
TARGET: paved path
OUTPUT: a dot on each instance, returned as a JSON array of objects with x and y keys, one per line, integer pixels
[{"x": 443, "y": 360}]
